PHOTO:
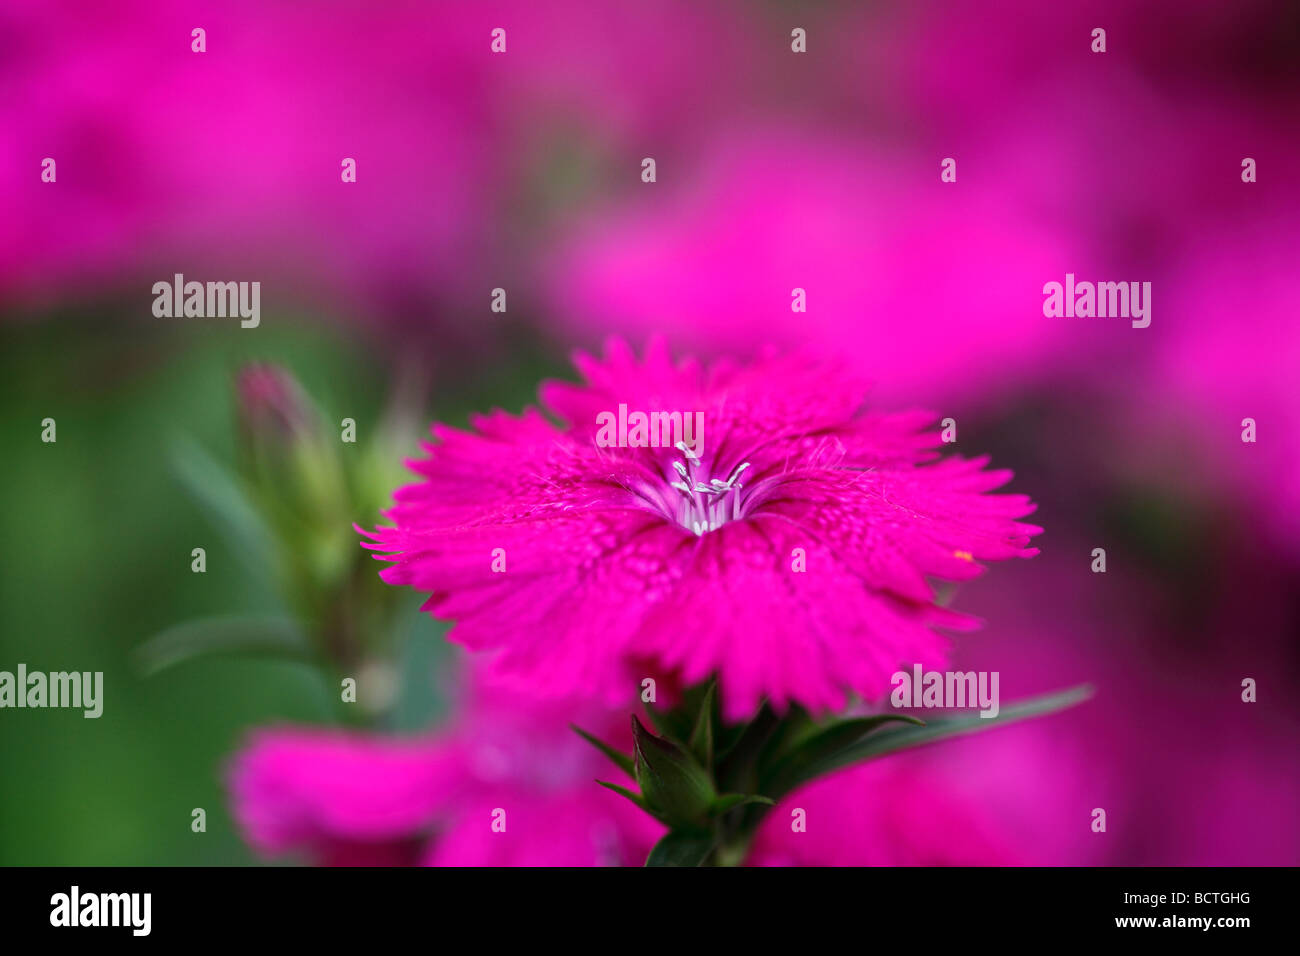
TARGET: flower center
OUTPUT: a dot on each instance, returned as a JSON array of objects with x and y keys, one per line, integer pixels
[{"x": 706, "y": 505}]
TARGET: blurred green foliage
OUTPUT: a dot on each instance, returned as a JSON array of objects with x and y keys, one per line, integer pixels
[{"x": 98, "y": 530}]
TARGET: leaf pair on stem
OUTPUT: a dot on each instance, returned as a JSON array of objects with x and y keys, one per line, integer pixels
[{"x": 711, "y": 784}]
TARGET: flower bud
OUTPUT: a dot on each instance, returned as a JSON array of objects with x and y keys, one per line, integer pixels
[
  {"x": 273, "y": 409},
  {"x": 295, "y": 475},
  {"x": 672, "y": 782}
]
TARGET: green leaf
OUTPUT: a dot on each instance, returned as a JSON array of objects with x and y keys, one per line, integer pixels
[
  {"x": 623, "y": 760},
  {"x": 819, "y": 744},
  {"x": 634, "y": 797},
  {"x": 735, "y": 770},
  {"x": 680, "y": 849},
  {"x": 222, "y": 496},
  {"x": 796, "y": 725},
  {"x": 887, "y": 742},
  {"x": 729, "y": 801},
  {"x": 701, "y": 742},
  {"x": 261, "y": 636},
  {"x": 423, "y": 663}
]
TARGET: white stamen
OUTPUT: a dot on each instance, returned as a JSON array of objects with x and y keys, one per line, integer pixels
[{"x": 705, "y": 506}]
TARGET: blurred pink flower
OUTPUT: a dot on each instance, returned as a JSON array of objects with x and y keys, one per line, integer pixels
[
  {"x": 350, "y": 798},
  {"x": 1186, "y": 776},
  {"x": 946, "y": 60},
  {"x": 620, "y": 559},
  {"x": 1188, "y": 773},
  {"x": 1067, "y": 160},
  {"x": 886, "y": 813},
  {"x": 932, "y": 289},
  {"x": 342, "y": 798},
  {"x": 1235, "y": 355},
  {"x": 227, "y": 163}
]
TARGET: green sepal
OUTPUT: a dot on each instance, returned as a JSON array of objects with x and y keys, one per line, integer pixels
[
  {"x": 701, "y": 742},
  {"x": 681, "y": 849},
  {"x": 636, "y": 798},
  {"x": 623, "y": 760},
  {"x": 672, "y": 782}
]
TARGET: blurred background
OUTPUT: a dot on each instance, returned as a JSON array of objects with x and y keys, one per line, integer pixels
[{"x": 522, "y": 171}]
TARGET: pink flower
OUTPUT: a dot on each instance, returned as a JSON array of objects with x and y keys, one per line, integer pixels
[
  {"x": 928, "y": 289},
  {"x": 351, "y": 798},
  {"x": 1234, "y": 356},
  {"x": 788, "y": 553},
  {"x": 229, "y": 162},
  {"x": 1187, "y": 772},
  {"x": 342, "y": 798},
  {"x": 888, "y": 813}
]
